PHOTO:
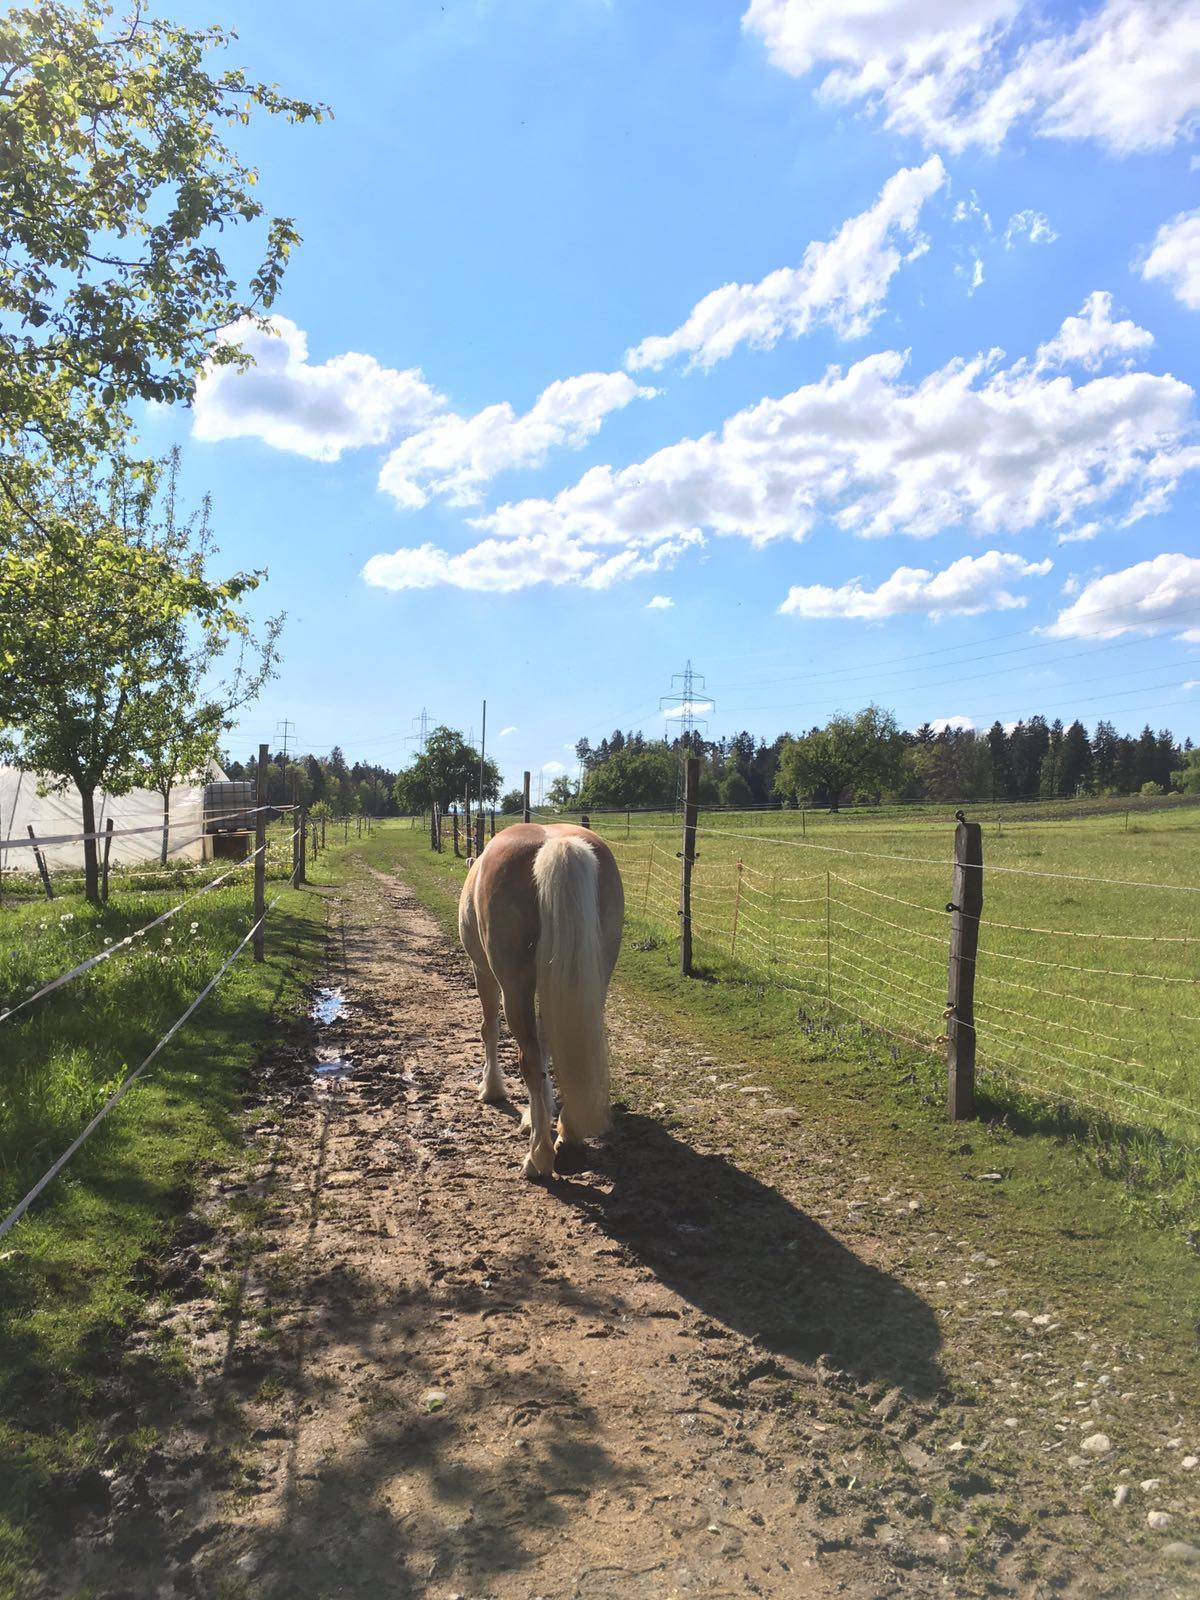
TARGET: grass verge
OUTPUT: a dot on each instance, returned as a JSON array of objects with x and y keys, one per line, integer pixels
[{"x": 76, "y": 1272}]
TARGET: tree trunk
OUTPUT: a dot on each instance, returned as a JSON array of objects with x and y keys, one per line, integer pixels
[
  {"x": 166, "y": 797},
  {"x": 91, "y": 856}
]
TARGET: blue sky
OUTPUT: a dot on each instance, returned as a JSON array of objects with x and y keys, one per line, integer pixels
[{"x": 951, "y": 404}]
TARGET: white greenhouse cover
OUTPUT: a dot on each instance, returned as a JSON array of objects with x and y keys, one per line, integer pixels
[{"x": 60, "y": 812}]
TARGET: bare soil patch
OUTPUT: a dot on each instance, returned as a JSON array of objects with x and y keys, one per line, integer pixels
[{"x": 715, "y": 1363}]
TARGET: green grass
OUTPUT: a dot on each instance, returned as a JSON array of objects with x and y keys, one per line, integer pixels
[{"x": 76, "y": 1271}]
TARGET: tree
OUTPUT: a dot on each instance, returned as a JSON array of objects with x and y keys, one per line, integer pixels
[
  {"x": 647, "y": 779},
  {"x": 562, "y": 792},
  {"x": 1187, "y": 778},
  {"x": 97, "y": 597},
  {"x": 1076, "y": 762},
  {"x": 447, "y": 769},
  {"x": 734, "y": 791},
  {"x": 118, "y": 187},
  {"x": 185, "y": 714},
  {"x": 865, "y": 751},
  {"x": 512, "y": 803}
]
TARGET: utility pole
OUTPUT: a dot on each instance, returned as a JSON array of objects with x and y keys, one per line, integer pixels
[
  {"x": 422, "y": 725},
  {"x": 285, "y": 727}
]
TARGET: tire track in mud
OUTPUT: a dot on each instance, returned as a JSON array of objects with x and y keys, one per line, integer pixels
[{"x": 414, "y": 1374}]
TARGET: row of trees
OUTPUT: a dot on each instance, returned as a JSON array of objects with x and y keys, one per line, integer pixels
[
  {"x": 122, "y": 657},
  {"x": 868, "y": 757}
]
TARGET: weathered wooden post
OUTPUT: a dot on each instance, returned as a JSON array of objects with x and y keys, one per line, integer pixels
[
  {"x": 479, "y": 829},
  {"x": 492, "y": 830},
  {"x": 456, "y": 833},
  {"x": 108, "y": 834},
  {"x": 525, "y": 798},
  {"x": 737, "y": 906},
  {"x": 649, "y": 865},
  {"x": 301, "y": 852},
  {"x": 584, "y": 820},
  {"x": 260, "y": 854},
  {"x": 828, "y": 943},
  {"x": 323, "y": 821},
  {"x": 691, "y": 788},
  {"x": 40, "y": 859},
  {"x": 965, "y": 908}
]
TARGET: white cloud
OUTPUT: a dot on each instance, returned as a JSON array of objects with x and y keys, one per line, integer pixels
[
  {"x": 687, "y": 708},
  {"x": 1080, "y": 535},
  {"x": 504, "y": 732},
  {"x": 506, "y": 564},
  {"x": 954, "y": 724},
  {"x": 659, "y": 602},
  {"x": 1091, "y": 338},
  {"x": 457, "y": 456},
  {"x": 963, "y": 589},
  {"x": 1149, "y": 597},
  {"x": 841, "y": 283},
  {"x": 974, "y": 444},
  {"x": 315, "y": 410},
  {"x": 1190, "y": 683},
  {"x": 1175, "y": 258},
  {"x": 1033, "y": 225},
  {"x": 962, "y": 72},
  {"x": 553, "y": 769}
]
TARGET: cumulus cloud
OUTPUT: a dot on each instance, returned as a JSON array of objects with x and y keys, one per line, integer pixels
[
  {"x": 687, "y": 708},
  {"x": 1092, "y": 338},
  {"x": 841, "y": 282},
  {"x": 553, "y": 769},
  {"x": 504, "y": 732},
  {"x": 1149, "y": 597},
  {"x": 950, "y": 724},
  {"x": 659, "y": 602},
  {"x": 1031, "y": 225},
  {"x": 315, "y": 409},
  {"x": 457, "y": 456},
  {"x": 963, "y": 589},
  {"x": 956, "y": 73},
  {"x": 1175, "y": 258},
  {"x": 975, "y": 444},
  {"x": 503, "y": 565}
]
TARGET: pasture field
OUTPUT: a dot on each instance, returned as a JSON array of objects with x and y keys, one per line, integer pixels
[
  {"x": 77, "y": 1269},
  {"x": 1088, "y": 976}
]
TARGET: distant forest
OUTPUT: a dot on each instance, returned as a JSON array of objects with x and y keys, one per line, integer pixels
[{"x": 864, "y": 757}]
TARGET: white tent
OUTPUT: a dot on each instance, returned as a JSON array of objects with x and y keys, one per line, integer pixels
[{"x": 136, "y": 819}]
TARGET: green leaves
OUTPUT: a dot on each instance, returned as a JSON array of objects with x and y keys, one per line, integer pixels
[{"x": 118, "y": 189}]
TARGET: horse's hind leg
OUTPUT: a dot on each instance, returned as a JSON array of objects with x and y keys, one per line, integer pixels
[
  {"x": 492, "y": 1090},
  {"x": 522, "y": 1022},
  {"x": 547, "y": 1088}
]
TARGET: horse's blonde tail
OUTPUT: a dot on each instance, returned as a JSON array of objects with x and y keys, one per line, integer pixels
[{"x": 571, "y": 980}]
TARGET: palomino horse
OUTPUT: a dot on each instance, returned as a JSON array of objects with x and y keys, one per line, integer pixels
[{"x": 540, "y": 916}]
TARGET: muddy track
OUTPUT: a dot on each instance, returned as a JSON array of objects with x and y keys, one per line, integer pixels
[{"x": 702, "y": 1368}]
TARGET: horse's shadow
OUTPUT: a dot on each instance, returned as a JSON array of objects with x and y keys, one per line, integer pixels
[{"x": 738, "y": 1251}]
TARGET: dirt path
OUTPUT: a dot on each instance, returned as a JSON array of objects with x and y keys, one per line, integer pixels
[{"x": 712, "y": 1366}]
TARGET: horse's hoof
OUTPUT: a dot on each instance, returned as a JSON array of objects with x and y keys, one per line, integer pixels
[
  {"x": 569, "y": 1156},
  {"x": 531, "y": 1170},
  {"x": 492, "y": 1095},
  {"x": 526, "y": 1120}
]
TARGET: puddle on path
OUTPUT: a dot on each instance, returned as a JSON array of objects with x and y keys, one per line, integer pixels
[
  {"x": 328, "y": 1006},
  {"x": 333, "y": 1071}
]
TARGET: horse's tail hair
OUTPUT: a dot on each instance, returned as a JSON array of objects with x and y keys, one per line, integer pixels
[{"x": 571, "y": 980}]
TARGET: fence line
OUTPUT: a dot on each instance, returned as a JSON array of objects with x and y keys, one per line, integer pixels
[{"x": 125, "y": 833}]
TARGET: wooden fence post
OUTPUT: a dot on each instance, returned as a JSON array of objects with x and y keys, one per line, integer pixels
[
  {"x": 584, "y": 820},
  {"x": 479, "y": 819},
  {"x": 965, "y": 908},
  {"x": 260, "y": 858},
  {"x": 456, "y": 833},
  {"x": 691, "y": 787},
  {"x": 525, "y": 799},
  {"x": 40, "y": 859},
  {"x": 649, "y": 865},
  {"x": 108, "y": 833},
  {"x": 301, "y": 842},
  {"x": 323, "y": 820},
  {"x": 737, "y": 905},
  {"x": 492, "y": 831},
  {"x": 828, "y": 944}
]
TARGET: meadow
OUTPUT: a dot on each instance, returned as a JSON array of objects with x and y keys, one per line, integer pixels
[{"x": 1088, "y": 976}]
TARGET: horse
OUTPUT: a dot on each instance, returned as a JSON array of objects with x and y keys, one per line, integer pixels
[{"x": 540, "y": 917}]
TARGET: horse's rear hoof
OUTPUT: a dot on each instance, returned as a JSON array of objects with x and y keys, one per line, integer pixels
[
  {"x": 530, "y": 1170},
  {"x": 570, "y": 1157}
]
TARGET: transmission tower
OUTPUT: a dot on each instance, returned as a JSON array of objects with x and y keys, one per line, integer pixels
[
  {"x": 421, "y": 725},
  {"x": 688, "y": 694},
  {"x": 285, "y": 728}
]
